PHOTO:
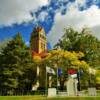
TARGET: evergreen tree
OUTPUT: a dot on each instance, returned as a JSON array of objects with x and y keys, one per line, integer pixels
[{"x": 16, "y": 67}]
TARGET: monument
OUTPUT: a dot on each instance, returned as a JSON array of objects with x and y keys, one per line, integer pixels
[
  {"x": 71, "y": 85},
  {"x": 52, "y": 92},
  {"x": 92, "y": 91}
]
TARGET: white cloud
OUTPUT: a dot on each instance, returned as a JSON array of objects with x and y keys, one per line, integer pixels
[
  {"x": 42, "y": 16},
  {"x": 76, "y": 19},
  {"x": 18, "y": 11},
  {"x": 80, "y": 2},
  {"x": 96, "y": 31}
]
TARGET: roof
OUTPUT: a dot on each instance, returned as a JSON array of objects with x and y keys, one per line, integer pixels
[{"x": 42, "y": 54}]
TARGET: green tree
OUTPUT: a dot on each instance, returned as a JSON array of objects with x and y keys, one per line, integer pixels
[
  {"x": 16, "y": 67},
  {"x": 3, "y": 43},
  {"x": 82, "y": 41}
]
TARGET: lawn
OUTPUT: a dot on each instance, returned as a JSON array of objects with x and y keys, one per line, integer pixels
[{"x": 46, "y": 98}]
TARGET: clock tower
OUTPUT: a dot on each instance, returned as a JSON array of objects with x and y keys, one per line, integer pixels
[
  {"x": 38, "y": 42},
  {"x": 38, "y": 46}
]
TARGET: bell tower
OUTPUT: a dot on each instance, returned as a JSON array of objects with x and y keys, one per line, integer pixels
[{"x": 38, "y": 42}]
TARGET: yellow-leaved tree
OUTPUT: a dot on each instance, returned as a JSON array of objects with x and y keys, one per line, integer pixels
[{"x": 67, "y": 60}]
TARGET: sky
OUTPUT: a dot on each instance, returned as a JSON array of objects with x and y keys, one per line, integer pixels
[{"x": 53, "y": 15}]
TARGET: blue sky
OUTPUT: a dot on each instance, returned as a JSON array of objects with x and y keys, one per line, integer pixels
[{"x": 54, "y": 15}]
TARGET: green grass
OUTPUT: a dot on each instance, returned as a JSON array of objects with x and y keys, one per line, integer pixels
[{"x": 46, "y": 98}]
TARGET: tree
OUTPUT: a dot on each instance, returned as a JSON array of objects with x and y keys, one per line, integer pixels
[
  {"x": 16, "y": 67},
  {"x": 66, "y": 60},
  {"x": 68, "y": 40},
  {"x": 82, "y": 41},
  {"x": 3, "y": 43}
]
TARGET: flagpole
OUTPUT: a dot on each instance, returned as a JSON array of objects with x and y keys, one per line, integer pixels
[
  {"x": 57, "y": 68},
  {"x": 57, "y": 80},
  {"x": 46, "y": 84}
]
